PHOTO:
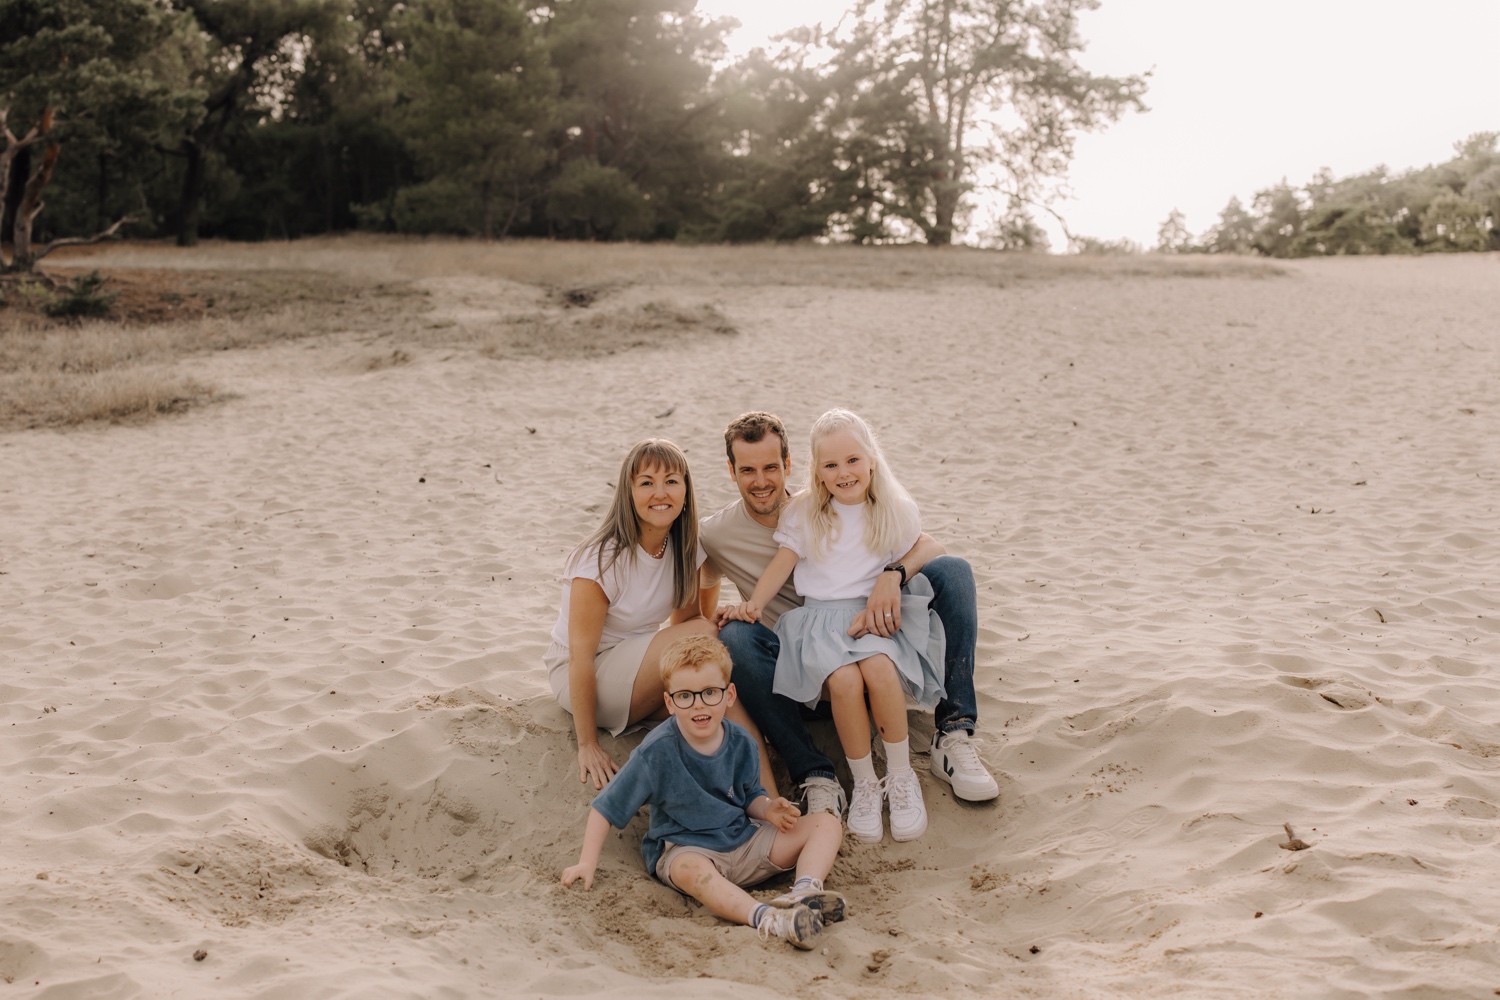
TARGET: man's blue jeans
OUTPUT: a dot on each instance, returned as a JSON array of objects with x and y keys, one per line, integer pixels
[{"x": 754, "y": 647}]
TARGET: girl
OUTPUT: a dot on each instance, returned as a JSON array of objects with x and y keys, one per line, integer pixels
[
  {"x": 638, "y": 570},
  {"x": 836, "y": 538}
]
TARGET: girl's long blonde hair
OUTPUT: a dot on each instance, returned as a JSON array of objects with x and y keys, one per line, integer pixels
[
  {"x": 620, "y": 534},
  {"x": 892, "y": 516}
]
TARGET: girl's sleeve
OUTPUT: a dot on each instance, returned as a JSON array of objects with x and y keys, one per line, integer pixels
[{"x": 791, "y": 531}]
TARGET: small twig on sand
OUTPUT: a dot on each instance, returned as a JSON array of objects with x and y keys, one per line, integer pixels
[{"x": 1292, "y": 843}]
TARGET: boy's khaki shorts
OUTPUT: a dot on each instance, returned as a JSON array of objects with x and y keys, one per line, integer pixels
[{"x": 745, "y": 865}]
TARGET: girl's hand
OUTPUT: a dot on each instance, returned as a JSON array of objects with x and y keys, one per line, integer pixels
[
  {"x": 782, "y": 814},
  {"x": 596, "y": 765},
  {"x": 579, "y": 871},
  {"x": 745, "y": 611}
]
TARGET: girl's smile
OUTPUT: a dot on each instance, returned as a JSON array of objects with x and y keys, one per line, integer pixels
[{"x": 843, "y": 468}]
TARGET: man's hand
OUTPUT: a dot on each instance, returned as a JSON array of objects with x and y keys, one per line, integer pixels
[
  {"x": 883, "y": 609},
  {"x": 579, "y": 871},
  {"x": 781, "y": 814},
  {"x": 596, "y": 765}
]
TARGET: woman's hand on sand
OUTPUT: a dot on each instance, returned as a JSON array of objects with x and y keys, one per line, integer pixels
[
  {"x": 579, "y": 871},
  {"x": 595, "y": 765},
  {"x": 782, "y": 814}
]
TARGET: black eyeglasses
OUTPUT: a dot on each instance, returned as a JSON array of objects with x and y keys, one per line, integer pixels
[{"x": 709, "y": 696}]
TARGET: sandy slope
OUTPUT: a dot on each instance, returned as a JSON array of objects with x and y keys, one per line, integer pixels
[{"x": 271, "y": 686}]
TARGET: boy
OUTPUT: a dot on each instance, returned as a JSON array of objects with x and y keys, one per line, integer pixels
[{"x": 713, "y": 827}]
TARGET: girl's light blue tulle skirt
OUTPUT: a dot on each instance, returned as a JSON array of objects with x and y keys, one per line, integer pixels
[{"x": 815, "y": 642}]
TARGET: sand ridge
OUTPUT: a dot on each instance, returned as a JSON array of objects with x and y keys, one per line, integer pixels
[{"x": 272, "y": 687}]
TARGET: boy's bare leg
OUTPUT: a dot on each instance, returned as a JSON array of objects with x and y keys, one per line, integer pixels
[
  {"x": 887, "y": 699},
  {"x": 696, "y": 875},
  {"x": 811, "y": 844}
]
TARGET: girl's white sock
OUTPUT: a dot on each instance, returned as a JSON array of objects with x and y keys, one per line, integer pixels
[
  {"x": 863, "y": 768},
  {"x": 897, "y": 756}
]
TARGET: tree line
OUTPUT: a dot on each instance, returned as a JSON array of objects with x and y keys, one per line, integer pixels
[
  {"x": 589, "y": 119},
  {"x": 1450, "y": 207}
]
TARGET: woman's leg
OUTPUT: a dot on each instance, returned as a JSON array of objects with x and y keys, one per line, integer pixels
[
  {"x": 646, "y": 700},
  {"x": 887, "y": 697}
]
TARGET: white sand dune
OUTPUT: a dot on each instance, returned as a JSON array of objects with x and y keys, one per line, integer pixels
[{"x": 271, "y": 683}]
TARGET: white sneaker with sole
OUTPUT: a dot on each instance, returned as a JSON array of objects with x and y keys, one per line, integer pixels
[
  {"x": 829, "y": 906},
  {"x": 864, "y": 819},
  {"x": 823, "y": 795},
  {"x": 798, "y": 925},
  {"x": 903, "y": 791},
  {"x": 955, "y": 760}
]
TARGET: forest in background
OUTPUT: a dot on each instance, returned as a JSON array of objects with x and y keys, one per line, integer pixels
[{"x": 605, "y": 120}]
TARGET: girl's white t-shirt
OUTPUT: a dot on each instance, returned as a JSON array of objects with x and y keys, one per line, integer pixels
[
  {"x": 847, "y": 569},
  {"x": 639, "y": 592}
]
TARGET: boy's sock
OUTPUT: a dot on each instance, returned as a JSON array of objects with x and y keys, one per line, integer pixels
[
  {"x": 758, "y": 914},
  {"x": 808, "y": 882},
  {"x": 897, "y": 756},
  {"x": 863, "y": 768}
]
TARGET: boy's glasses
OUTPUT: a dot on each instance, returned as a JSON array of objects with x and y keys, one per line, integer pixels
[{"x": 709, "y": 696}]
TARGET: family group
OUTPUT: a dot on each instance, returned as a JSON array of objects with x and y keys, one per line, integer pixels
[{"x": 848, "y": 610}]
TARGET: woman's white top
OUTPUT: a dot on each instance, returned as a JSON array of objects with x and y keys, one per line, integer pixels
[
  {"x": 847, "y": 568},
  {"x": 639, "y": 591}
]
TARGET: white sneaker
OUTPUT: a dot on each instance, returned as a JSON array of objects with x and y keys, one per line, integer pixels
[
  {"x": 955, "y": 760},
  {"x": 798, "y": 925},
  {"x": 864, "y": 819},
  {"x": 829, "y": 906},
  {"x": 823, "y": 795},
  {"x": 908, "y": 812}
]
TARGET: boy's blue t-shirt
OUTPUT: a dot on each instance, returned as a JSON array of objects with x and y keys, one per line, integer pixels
[{"x": 695, "y": 800}]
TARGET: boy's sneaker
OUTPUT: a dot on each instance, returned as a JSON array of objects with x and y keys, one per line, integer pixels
[
  {"x": 955, "y": 760},
  {"x": 822, "y": 794},
  {"x": 829, "y": 906},
  {"x": 799, "y": 925},
  {"x": 908, "y": 811},
  {"x": 864, "y": 819}
]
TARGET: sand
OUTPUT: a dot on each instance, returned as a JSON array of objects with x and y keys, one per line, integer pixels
[{"x": 271, "y": 682}]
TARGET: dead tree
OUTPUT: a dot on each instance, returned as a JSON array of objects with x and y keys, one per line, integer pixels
[{"x": 23, "y": 254}]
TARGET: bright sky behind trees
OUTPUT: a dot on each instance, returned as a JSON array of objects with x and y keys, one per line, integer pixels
[{"x": 1243, "y": 94}]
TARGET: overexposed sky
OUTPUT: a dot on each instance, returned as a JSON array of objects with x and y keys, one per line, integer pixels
[{"x": 1243, "y": 94}]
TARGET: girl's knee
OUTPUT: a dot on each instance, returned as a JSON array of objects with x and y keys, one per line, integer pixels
[{"x": 847, "y": 680}]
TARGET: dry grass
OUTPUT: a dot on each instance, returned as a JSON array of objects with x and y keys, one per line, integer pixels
[
  {"x": 652, "y": 324},
  {"x": 557, "y": 266},
  {"x": 64, "y": 373},
  {"x": 502, "y": 300}
]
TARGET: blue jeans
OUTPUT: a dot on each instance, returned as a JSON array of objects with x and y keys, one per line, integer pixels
[{"x": 754, "y": 647}]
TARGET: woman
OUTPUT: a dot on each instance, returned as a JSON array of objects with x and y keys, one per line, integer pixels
[{"x": 638, "y": 569}]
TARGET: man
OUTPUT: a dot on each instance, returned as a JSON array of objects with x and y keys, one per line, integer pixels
[{"x": 739, "y": 543}]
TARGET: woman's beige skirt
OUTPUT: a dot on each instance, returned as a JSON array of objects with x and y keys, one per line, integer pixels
[{"x": 615, "y": 670}]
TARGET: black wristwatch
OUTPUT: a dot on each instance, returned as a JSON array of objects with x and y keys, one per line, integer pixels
[{"x": 897, "y": 567}]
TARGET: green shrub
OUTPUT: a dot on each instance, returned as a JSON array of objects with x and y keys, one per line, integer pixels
[{"x": 83, "y": 297}]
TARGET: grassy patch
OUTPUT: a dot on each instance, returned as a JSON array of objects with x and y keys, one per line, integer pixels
[
  {"x": 57, "y": 373},
  {"x": 583, "y": 335}
]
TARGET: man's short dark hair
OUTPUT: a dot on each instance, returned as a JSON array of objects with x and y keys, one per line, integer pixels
[{"x": 751, "y": 428}]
